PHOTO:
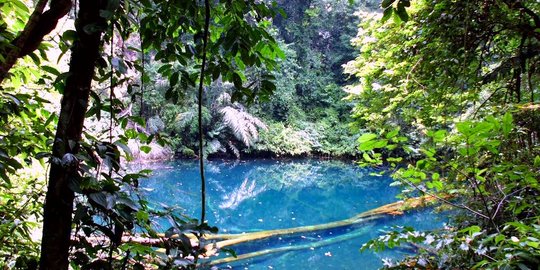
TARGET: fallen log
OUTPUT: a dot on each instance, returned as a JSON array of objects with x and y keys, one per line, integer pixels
[
  {"x": 227, "y": 240},
  {"x": 313, "y": 245},
  {"x": 392, "y": 209}
]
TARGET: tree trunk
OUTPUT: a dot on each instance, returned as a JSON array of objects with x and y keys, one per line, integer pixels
[{"x": 58, "y": 209}]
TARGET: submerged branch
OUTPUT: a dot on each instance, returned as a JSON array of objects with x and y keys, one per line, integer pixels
[
  {"x": 392, "y": 209},
  {"x": 226, "y": 240},
  {"x": 329, "y": 241}
]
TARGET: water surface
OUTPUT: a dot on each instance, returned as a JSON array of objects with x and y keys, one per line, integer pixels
[{"x": 246, "y": 196}]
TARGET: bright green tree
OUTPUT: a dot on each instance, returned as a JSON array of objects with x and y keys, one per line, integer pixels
[
  {"x": 450, "y": 88},
  {"x": 86, "y": 180}
]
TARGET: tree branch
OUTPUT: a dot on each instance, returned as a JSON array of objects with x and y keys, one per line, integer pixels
[
  {"x": 506, "y": 66},
  {"x": 40, "y": 24},
  {"x": 521, "y": 7}
]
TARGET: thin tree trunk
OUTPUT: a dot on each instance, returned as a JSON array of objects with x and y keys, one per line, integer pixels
[
  {"x": 199, "y": 116},
  {"x": 58, "y": 209}
]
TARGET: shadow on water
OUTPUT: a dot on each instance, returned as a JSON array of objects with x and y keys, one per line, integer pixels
[{"x": 257, "y": 195}]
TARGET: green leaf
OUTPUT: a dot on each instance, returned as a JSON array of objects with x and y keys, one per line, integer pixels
[
  {"x": 125, "y": 148},
  {"x": 237, "y": 81},
  {"x": 51, "y": 70},
  {"x": 367, "y": 157},
  {"x": 387, "y": 14},
  {"x": 174, "y": 79},
  {"x": 537, "y": 161},
  {"x": 105, "y": 199},
  {"x": 392, "y": 133},
  {"x": 20, "y": 5},
  {"x": 438, "y": 136},
  {"x": 507, "y": 124},
  {"x": 472, "y": 229},
  {"x": 372, "y": 144},
  {"x": 366, "y": 137},
  {"x": 146, "y": 149},
  {"x": 401, "y": 12},
  {"x": 464, "y": 128},
  {"x": 164, "y": 69},
  {"x": 499, "y": 238}
]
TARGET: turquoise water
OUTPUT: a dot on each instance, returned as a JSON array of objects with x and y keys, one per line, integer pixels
[{"x": 246, "y": 196}]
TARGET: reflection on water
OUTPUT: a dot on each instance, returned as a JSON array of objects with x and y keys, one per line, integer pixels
[
  {"x": 245, "y": 191},
  {"x": 245, "y": 196}
]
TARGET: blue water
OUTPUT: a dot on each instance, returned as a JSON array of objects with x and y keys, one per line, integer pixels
[{"x": 246, "y": 196}]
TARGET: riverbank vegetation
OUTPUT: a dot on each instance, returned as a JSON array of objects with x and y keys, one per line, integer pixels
[
  {"x": 443, "y": 95},
  {"x": 451, "y": 87}
]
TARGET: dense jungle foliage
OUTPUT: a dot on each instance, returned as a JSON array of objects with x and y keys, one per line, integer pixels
[
  {"x": 447, "y": 97},
  {"x": 306, "y": 114},
  {"x": 442, "y": 94}
]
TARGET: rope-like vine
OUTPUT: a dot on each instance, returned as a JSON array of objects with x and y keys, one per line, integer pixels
[
  {"x": 201, "y": 84},
  {"x": 111, "y": 88},
  {"x": 142, "y": 70}
]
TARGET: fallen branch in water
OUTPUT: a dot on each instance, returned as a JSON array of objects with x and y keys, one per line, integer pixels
[
  {"x": 227, "y": 240},
  {"x": 313, "y": 245},
  {"x": 391, "y": 209}
]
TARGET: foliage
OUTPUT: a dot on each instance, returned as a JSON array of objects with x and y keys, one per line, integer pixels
[
  {"x": 89, "y": 166},
  {"x": 243, "y": 125},
  {"x": 326, "y": 137},
  {"x": 304, "y": 88},
  {"x": 441, "y": 91},
  {"x": 283, "y": 140},
  {"x": 229, "y": 127},
  {"x": 308, "y": 98},
  {"x": 27, "y": 129}
]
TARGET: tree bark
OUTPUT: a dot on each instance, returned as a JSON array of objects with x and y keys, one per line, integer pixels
[{"x": 58, "y": 209}]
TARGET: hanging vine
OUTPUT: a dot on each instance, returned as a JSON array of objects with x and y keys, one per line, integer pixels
[
  {"x": 201, "y": 84},
  {"x": 142, "y": 70}
]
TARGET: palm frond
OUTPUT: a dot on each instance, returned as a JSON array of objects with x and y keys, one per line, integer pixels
[{"x": 243, "y": 125}]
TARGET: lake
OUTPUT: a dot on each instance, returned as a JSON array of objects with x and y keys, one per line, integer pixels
[{"x": 255, "y": 195}]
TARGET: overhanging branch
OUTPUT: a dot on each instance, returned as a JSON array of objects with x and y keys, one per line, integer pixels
[
  {"x": 507, "y": 65},
  {"x": 40, "y": 24}
]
